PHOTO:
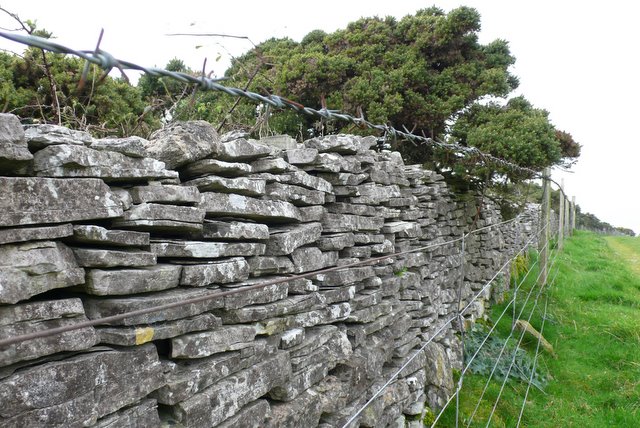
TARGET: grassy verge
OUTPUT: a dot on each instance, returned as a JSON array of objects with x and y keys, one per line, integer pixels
[{"x": 593, "y": 322}]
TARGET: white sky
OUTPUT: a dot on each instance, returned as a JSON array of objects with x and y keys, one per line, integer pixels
[{"x": 577, "y": 59}]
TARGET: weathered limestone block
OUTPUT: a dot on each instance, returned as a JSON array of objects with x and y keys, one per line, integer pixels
[
  {"x": 303, "y": 411},
  {"x": 87, "y": 387},
  {"x": 295, "y": 194},
  {"x": 361, "y": 252},
  {"x": 302, "y": 286},
  {"x": 241, "y": 185},
  {"x": 344, "y": 276},
  {"x": 14, "y": 151},
  {"x": 227, "y": 397},
  {"x": 8, "y": 236},
  {"x": 340, "y": 294},
  {"x": 301, "y": 178},
  {"x": 336, "y": 223},
  {"x": 267, "y": 294},
  {"x": 47, "y": 200},
  {"x": 130, "y": 146},
  {"x": 345, "y": 208},
  {"x": 222, "y": 205},
  {"x": 185, "y": 378},
  {"x": 253, "y": 415},
  {"x": 86, "y": 234},
  {"x": 218, "y": 272},
  {"x": 312, "y": 213},
  {"x": 104, "y": 307},
  {"x": 142, "y": 414},
  {"x": 344, "y": 178},
  {"x": 335, "y": 242},
  {"x": 260, "y": 266},
  {"x": 165, "y": 194},
  {"x": 274, "y": 166},
  {"x": 31, "y": 268},
  {"x": 301, "y": 381},
  {"x": 112, "y": 282},
  {"x": 374, "y": 194},
  {"x": 221, "y": 339},
  {"x": 133, "y": 336},
  {"x": 79, "y": 161},
  {"x": 234, "y": 230},
  {"x": 290, "y": 305},
  {"x": 241, "y": 150},
  {"x": 291, "y": 338},
  {"x": 216, "y": 167},
  {"x": 183, "y": 142},
  {"x": 204, "y": 249},
  {"x": 102, "y": 258},
  {"x": 41, "y": 136},
  {"x": 306, "y": 259},
  {"x": 282, "y": 142},
  {"x": 160, "y": 217},
  {"x": 326, "y": 315},
  {"x": 344, "y": 144},
  {"x": 302, "y": 156},
  {"x": 284, "y": 240},
  {"x": 27, "y": 318}
]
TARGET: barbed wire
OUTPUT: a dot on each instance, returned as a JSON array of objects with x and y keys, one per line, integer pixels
[{"x": 108, "y": 62}]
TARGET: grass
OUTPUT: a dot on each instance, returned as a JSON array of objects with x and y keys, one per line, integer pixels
[{"x": 593, "y": 322}]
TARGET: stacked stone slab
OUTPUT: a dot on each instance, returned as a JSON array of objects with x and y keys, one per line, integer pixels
[{"x": 94, "y": 228}]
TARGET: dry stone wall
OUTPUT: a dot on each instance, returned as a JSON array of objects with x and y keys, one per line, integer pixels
[{"x": 92, "y": 228}]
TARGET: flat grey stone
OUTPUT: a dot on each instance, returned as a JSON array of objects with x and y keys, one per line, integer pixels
[
  {"x": 344, "y": 208},
  {"x": 8, "y": 236},
  {"x": 344, "y": 144},
  {"x": 270, "y": 165},
  {"x": 221, "y": 339},
  {"x": 79, "y": 161},
  {"x": 222, "y": 204},
  {"x": 166, "y": 194},
  {"x": 217, "y": 167},
  {"x": 224, "y": 399},
  {"x": 219, "y": 272},
  {"x": 87, "y": 234},
  {"x": 14, "y": 151},
  {"x": 265, "y": 265},
  {"x": 295, "y": 194},
  {"x": 335, "y": 242},
  {"x": 253, "y": 415},
  {"x": 26, "y": 201},
  {"x": 159, "y": 217},
  {"x": 335, "y": 223},
  {"x": 339, "y": 294},
  {"x": 31, "y": 268},
  {"x": 183, "y": 142},
  {"x": 102, "y": 258},
  {"x": 344, "y": 178},
  {"x": 234, "y": 230},
  {"x": 326, "y": 315},
  {"x": 282, "y": 142},
  {"x": 241, "y": 185},
  {"x": 303, "y": 156},
  {"x": 112, "y": 282},
  {"x": 290, "y": 305},
  {"x": 303, "y": 411},
  {"x": 283, "y": 240},
  {"x": 41, "y": 136},
  {"x": 204, "y": 250},
  {"x": 134, "y": 336},
  {"x": 129, "y": 146},
  {"x": 312, "y": 213},
  {"x": 104, "y": 307},
  {"x": 301, "y": 178},
  {"x": 123, "y": 196},
  {"x": 308, "y": 259},
  {"x": 344, "y": 276},
  {"x": 268, "y": 294},
  {"x": 142, "y": 414},
  {"x": 241, "y": 150},
  {"x": 291, "y": 338},
  {"x": 32, "y": 317},
  {"x": 70, "y": 392}
]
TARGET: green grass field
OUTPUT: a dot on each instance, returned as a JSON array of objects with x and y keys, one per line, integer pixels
[{"x": 593, "y": 322}]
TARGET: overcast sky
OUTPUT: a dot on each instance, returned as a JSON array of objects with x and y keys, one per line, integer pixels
[{"x": 577, "y": 59}]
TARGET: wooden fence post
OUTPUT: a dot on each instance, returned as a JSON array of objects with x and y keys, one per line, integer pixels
[
  {"x": 561, "y": 218},
  {"x": 543, "y": 238},
  {"x": 573, "y": 214}
]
